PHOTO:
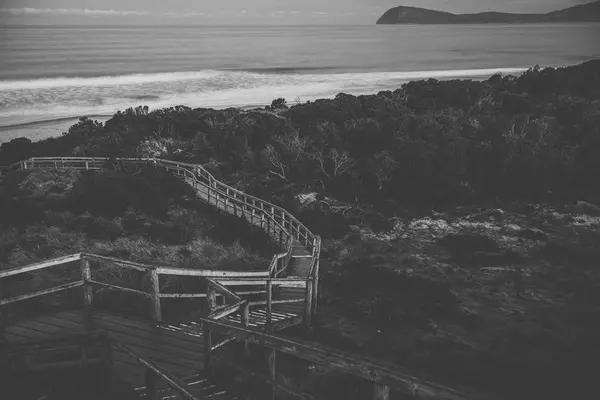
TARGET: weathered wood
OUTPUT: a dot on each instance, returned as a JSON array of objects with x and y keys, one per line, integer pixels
[
  {"x": 122, "y": 289},
  {"x": 211, "y": 299},
  {"x": 381, "y": 392},
  {"x": 308, "y": 305},
  {"x": 344, "y": 362},
  {"x": 211, "y": 273},
  {"x": 269, "y": 305},
  {"x": 275, "y": 302},
  {"x": 203, "y": 295},
  {"x": 226, "y": 310},
  {"x": 315, "y": 277},
  {"x": 86, "y": 276},
  {"x": 223, "y": 290},
  {"x": 175, "y": 383},
  {"x": 272, "y": 353},
  {"x": 151, "y": 382},
  {"x": 39, "y": 293},
  {"x": 245, "y": 322},
  {"x": 207, "y": 350},
  {"x": 155, "y": 295},
  {"x": 118, "y": 263},
  {"x": 291, "y": 281},
  {"x": 41, "y": 265}
]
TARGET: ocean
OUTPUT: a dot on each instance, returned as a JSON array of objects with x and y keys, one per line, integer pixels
[{"x": 50, "y": 75}]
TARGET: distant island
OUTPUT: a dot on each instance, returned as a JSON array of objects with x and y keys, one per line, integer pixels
[{"x": 414, "y": 15}]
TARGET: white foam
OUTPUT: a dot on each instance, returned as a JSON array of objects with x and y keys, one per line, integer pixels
[
  {"x": 27, "y": 101},
  {"x": 138, "y": 79}
]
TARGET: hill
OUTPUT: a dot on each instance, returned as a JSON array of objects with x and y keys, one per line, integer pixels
[{"x": 414, "y": 15}]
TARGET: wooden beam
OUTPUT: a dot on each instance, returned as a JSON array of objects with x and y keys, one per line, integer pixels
[
  {"x": 245, "y": 322},
  {"x": 211, "y": 273},
  {"x": 381, "y": 392},
  {"x": 39, "y": 293},
  {"x": 308, "y": 305},
  {"x": 269, "y": 305},
  {"x": 123, "y": 289},
  {"x": 226, "y": 310},
  {"x": 86, "y": 276},
  {"x": 40, "y": 265},
  {"x": 344, "y": 362},
  {"x": 211, "y": 299},
  {"x": 172, "y": 381},
  {"x": 155, "y": 296},
  {"x": 272, "y": 371},
  {"x": 207, "y": 350},
  {"x": 223, "y": 290},
  {"x": 119, "y": 263}
]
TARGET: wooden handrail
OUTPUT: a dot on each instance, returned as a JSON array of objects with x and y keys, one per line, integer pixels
[
  {"x": 40, "y": 265},
  {"x": 55, "y": 289},
  {"x": 379, "y": 373},
  {"x": 223, "y": 290},
  {"x": 190, "y": 169}
]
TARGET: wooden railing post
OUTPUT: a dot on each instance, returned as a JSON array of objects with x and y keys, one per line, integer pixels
[
  {"x": 272, "y": 371},
  {"x": 315, "y": 289},
  {"x": 308, "y": 304},
  {"x": 155, "y": 293},
  {"x": 207, "y": 350},
  {"x": 245, "y": 323},
  {"x": 269, "y": 305},
  {"x": 211, "y": 299},
  {"x": 86, "y": 276},
  {"x": 151, "y": 381},
  {"x": 381, "y": 392}
]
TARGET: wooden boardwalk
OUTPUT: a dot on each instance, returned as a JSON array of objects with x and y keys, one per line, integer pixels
[{"x": 168, "y": 361}]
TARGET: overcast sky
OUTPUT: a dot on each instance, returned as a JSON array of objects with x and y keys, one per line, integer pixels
[{"x": 243, "y": 12}]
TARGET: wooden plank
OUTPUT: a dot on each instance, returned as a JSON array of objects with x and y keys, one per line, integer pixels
[
  {"x": 226, "y": 310},
  {"x": 86, "y": 277},
  {"x": 345, "y": 362},
  {"x": 40, "y": 265},
  {"x": 269, "y": 305},
  {"x": 155, "y": 296},
  {"x": 211, "y": 273},
  {"x": 118, "y": 263},
  {"x": 381, "y": 392},
  {"x": 175, "y": 383},
  {"x": 56, "y": 289},
  {"x": 121, "y": 288},
  {"x": 223, "y": 290}
]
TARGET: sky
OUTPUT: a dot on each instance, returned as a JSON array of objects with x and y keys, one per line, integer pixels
[{"x": 242, "y": 12}]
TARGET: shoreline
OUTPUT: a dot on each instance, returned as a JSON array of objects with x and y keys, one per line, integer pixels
[{"x": 39, "y": 130}]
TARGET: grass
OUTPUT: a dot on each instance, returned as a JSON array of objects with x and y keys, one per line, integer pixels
[{"x": 49, "y": 214}]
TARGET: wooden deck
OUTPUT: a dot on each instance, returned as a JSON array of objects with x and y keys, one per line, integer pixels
[{"x": 177, "y": 352}]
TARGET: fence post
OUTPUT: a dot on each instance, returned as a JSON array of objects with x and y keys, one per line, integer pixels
[
  {"x": 155, "y": 292},
  {"x": 269, "y": 305},
  {"x": 272, "y": 372},
  {"x": 308, "y": 304},
  {"x": 245, "y": 323},
  {"x": 207, "y": 350},
  {"x": 86, "y": 276},
  {"x": 381, "y": 392}
]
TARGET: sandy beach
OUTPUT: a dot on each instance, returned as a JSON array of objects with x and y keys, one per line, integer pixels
[{"x": 43, "y": 129}]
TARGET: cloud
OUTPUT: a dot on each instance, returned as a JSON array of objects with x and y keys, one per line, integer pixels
[{"x": 69, "y": 11}]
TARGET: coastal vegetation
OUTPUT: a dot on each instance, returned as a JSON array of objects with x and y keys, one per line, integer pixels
[{"x": 461, "y": 235}]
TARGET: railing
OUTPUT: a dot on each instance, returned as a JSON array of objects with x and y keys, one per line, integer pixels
[
  {"x": 279, "y": 223},
  {"x": 385, "y": 377}
]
